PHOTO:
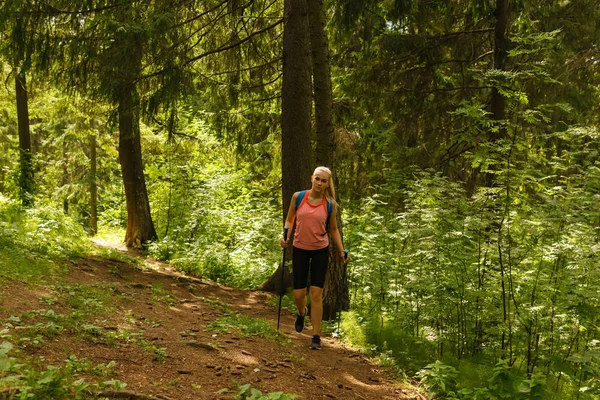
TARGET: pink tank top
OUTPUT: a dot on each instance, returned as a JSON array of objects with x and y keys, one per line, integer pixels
[{"x": 310, "y": 225}]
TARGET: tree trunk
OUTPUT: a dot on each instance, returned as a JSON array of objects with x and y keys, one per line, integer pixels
[
  {"x": 26, "y": 182},
  {"x": 65, "y": 176},
  {"x": 140, "y": 229},
  {"x": 500, "y": 55},
  {"x": 93, "y": 188},
  {"x": 335, "y": 295},
  {"x": 296, "y": 100},
  {"x": 321, "y": 84},
  {"x": 336, "y": 288},
  {"x": 498, "y": 101}
]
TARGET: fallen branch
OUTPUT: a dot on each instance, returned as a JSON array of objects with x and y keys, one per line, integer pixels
[
  {"x": 10, "y": 393},
  {"x": 123, "y": 394}
]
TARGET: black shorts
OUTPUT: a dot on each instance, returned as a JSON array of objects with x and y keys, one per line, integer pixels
[{"x": 314, "y": 261}]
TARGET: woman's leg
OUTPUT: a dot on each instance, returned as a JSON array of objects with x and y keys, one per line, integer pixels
[
  {"x": 301, "y": 264},
  {"x": 316, "y": 308},
  {"x": 300, "y": 300},
  {"x": 317, "y": 282}
]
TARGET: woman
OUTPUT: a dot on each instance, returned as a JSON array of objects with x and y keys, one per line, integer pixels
[{"x": 311, "y": 243}]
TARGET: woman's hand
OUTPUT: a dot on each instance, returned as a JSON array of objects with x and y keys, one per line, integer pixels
[
  {"x": 344, "y": 256},
  {"x": 284, "y": 243}
]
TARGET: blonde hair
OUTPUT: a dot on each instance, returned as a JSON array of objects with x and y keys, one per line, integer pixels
[{"x": 330, "y": 189}]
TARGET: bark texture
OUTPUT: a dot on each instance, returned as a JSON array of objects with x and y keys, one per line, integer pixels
[
  {"x": 93, "y": 188},
  {"x": 322, "y": 84},
  {"x": 296, "y": 102},
  {"x": 26, "y": 182},
  {"x": 335, "y": 294},
  {"x": 140, "y": 228}
]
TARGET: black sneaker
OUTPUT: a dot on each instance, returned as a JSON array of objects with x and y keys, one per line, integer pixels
[
  {"x": 299, "y": 324},
  {"x": 316, "y": 343}
]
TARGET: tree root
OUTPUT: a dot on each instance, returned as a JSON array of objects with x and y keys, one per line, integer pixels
[
  {"x": 123, "y": 394},
  {"x": 6, "y": 394}
]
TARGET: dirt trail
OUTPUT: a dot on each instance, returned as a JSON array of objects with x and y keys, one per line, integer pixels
[{"x": 173, "y": 311}]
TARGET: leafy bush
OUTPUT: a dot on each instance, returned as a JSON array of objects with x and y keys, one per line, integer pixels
[
  {"x": 226, "y": 229},
  {"x": 439, "y": 379},
  {"x": 25, "y": 381},
  {"x": 35, "y": 241}
]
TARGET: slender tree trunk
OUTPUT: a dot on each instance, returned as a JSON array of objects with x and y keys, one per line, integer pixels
[
  {"x": 498, "y": 102},
  {"x": 140, "y": 229},
  {"x": 296, "y": 98},
  {"x": 321, "y": 84},
  {"x": 65, "y": 176},
  {"x": 26, "y": 182},
  {"x": 500, "y": 55},
  {"x": 93, "y": 188}
]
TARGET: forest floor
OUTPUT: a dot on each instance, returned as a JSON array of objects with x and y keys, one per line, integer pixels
[{"x": 173, "y": 355}]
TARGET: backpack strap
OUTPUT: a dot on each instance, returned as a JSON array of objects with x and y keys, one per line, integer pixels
[
  {"x": 299, "y": 198},
  {"x": 329, "y": 211}
]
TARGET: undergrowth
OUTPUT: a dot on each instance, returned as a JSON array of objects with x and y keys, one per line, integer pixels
[{"x": 37, "y": 242}]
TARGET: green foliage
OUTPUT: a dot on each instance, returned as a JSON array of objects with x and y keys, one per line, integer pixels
[
  {"x": 24, "y": 380},
  {"x": 162, "y": 295},
  {"x": 36, "y": 241},
  {"x": 246, "y": 392},
  {"x": 247, "y": 326},
  {"x": 438, "y": 378},
  {"x": 502, "y": 382},
  {"x": 287, "y": 302},
  {"x": 228, "y": 225},
  {"x": 223, "y": 307},
  {"x": 447, "y": 259}
]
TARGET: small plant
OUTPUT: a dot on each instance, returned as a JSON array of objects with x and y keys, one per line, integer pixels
[
  {"x": 48, "y": 300},
  {"x": 246, "y": 392},
  {"x": 217, "y": 303},
  {"x": 159, "y": 353},
  {"x": 6, "y": 363},
  {"x": 287, "y": 303},
  {"x": 113, "y": 338},
  {"x": 438, "y": 378},
  {"x": 187, "y": 333},
  {"x": 113, "y": 383},
  {"x": 75, "y": 365},
  {"x": 153, "y": 323},
  {"x": 247, "y": 326},
  {"x": 36, "y": 341},
  {"x": 502, "y": 382},
  {"x": 92, "y": 332},
  {"x": 161, "y": 295}
]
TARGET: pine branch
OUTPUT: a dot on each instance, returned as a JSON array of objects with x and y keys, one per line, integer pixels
[
  {"x": 236, "y": 44},
  {"x": 214, "y": 51},
  {"x": 426, "y": 92},
  {"x": 196, "y": 17},
  {"x": 247, "y": 68}
]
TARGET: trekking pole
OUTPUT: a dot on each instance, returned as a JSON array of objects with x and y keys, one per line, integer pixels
[
  {"x": 342, "y": 295},
  {"x": 285, "y": 234}
]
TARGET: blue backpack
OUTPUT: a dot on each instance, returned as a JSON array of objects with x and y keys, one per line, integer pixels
[{"x": 329, "y": 207}]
